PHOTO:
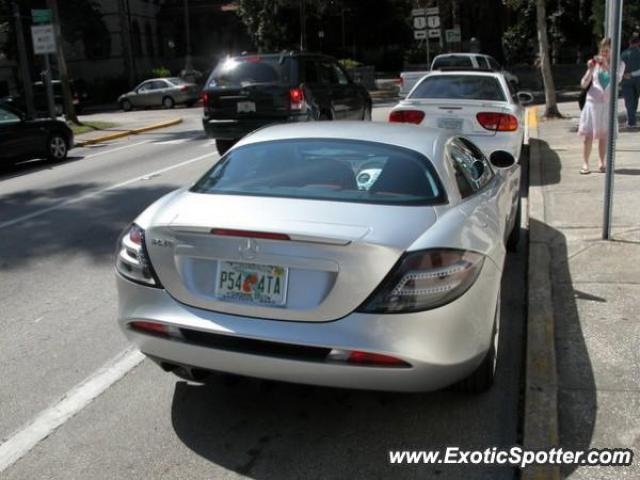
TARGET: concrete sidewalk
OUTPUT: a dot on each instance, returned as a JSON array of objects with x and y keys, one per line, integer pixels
[{"x": 595, "y": 291}]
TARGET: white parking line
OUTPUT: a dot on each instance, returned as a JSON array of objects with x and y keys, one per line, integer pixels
[
  {"x": 43, "y": 425},
  {"x": 104, "y": 152},
  {"x": 37, "y": 213}
]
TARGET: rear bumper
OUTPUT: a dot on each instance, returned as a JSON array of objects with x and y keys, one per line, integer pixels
[
  {"x": 510, "y": 142},
  {"x": 234, "y": 129},
  {"x": 441, "y": 346}
]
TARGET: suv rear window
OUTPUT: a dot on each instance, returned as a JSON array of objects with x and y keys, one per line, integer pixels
[
  {"x": 326, "y": 169},
  {"x": 463, "y": 87},
  {"x": 452, "y": 61},
  {"x": 250, "y": 70}
]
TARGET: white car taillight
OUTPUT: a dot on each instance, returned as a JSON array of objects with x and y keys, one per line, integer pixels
[
  {"x": 132, "y": 259},
  {"x": 424, "y": 280}
]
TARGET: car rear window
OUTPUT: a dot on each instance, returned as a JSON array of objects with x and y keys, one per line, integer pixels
[
  {"x": 176, "y": 81},
  {"x": 244, "y": 71},
  {"x": 452, "y": 61},
  {"x": 463, "y": 87},
  {"x": 326, "y": 169}
]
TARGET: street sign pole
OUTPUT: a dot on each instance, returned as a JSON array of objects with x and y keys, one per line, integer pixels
[
  {"x": 616, "y": 27},
  {"x": 24, "y": 63},
  {"x": 47, "y": 79}
]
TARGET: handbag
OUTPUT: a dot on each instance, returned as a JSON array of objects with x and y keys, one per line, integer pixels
[{"x": 582, "y": 98}]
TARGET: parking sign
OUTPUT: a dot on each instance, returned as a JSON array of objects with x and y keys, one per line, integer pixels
[{"x": 44, "y": 40}]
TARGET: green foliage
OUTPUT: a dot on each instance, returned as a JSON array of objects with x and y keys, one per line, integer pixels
[
  {"x": 160, "y": 72},
  {"x": 349, "y": 63}
]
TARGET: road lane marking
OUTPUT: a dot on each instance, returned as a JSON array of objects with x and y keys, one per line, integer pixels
[
  {"x": 104, "y": 152},
  {"x": 37, "y": 320},
  {"x": 80, "y": 198},
  {"x": 47, "y": 421}
]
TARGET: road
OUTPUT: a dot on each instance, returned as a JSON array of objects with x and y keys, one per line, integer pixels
[{"x": 58, "y": 228}]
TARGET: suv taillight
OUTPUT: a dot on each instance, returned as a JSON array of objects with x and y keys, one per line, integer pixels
[
  {"x": 497, "y": 122},
  {"x": 406, "y": 116},
  {"x": 296, "y": 98}
]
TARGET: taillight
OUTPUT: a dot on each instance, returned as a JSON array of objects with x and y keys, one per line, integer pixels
[
  {"x": 406, "y": 116},
  {"x": 424, "y": 280},
  {"x": 357, "y": 357},
  {"x": 184, "y": 88},
  {"x": 497, "y": 122},
  {"x": 228, "y": 232},
  {"x": 132, "y": 259},
  {"x": 296, "y": 98},
  {"x": 150, "y": 327},
  {"x": 205, "y": 99}
]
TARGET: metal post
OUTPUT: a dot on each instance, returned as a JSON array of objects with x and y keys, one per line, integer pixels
[
  {"x": 303, "y": 26},
  {"x": 49, "y": 87},
  {"x": 607, "y": 18},
  {"x": 616, "y": 27},
  {"x": 24, "y": 63},
  {"x": 188, "y": 67}
]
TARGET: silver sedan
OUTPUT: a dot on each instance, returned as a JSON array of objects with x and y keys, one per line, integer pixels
[
  {"x": 160, "y": 92},
  {"x": 279, "y": 264}
]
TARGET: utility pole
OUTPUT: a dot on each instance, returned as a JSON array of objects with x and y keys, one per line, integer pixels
[
  {"x": 70, "y": 111},
  {"x": 127, "y": 50},
  {"x": 24, "y": 63},
  {"x": 303, "y": 26},
  {"x": 188, "y": 66}
]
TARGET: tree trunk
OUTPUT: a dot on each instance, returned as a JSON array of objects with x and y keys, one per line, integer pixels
[
  {"x": 70, "y": 111},
  {"x": 551, "y": 108}
]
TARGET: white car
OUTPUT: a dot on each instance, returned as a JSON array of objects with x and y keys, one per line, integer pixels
[
  {"x": 479, "y": 61},
  {"x": 279, "y": 264},
  {"x": 479, "y": 105}
]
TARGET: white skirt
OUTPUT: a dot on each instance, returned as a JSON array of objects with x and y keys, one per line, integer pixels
[{"x": 594, "y": 120}]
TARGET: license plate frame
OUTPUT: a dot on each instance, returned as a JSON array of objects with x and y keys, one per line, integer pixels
[
  {"x": 454, "y": 124},
  {"x": 246, "y": 107},
  {"x": 246, "y": 290}
]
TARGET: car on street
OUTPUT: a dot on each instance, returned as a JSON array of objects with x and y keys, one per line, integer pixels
[
  {"x": 160, "y": 92},
  {"x": 247, "y": 92},
  {"x": 24, "y": 139},
  {"x": 482, "y": 106},
  {"x": 280, "y": 264},
  {"x": 79, "y": 98}
]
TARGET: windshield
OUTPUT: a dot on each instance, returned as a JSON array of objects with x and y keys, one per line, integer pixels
[
  {"x": 464, "y": 87},
  {"x": 243, "y": 71},
  {"x": 451, "y": 61},
  {"x": 335, "y": 170}
]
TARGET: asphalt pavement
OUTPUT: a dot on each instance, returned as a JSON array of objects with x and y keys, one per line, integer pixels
[{"x": 58, "y": 228}]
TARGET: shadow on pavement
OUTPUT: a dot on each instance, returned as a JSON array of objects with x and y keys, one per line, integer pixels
[
  {"x": 88, "y": 227},
  {"x": 552, "y": 164},
  {"x": 13, "y": 170},
  {"x": 627, "y": 171}
]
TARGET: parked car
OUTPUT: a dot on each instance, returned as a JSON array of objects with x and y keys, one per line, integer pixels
[
  {"x": 279, "y": 264},
  {"x": 482, "y": 106},
  {"x": 22, "y": 139},
  {"x": 78, "y": 94},
  {"x": 248, "y": 92},
  {"x": 160, "y": 92},
  {"x": 476, "y": 61},
  {"x": 456, "y": 61}
]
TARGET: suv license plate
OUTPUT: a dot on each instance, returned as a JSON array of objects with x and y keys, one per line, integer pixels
[
  {"x": 246, "y": 107},
  {"x": 249, "y": 282}
]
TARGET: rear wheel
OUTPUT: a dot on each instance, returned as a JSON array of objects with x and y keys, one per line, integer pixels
[
  {"x": 125, "y": 105},
  {"x": 224, "y": 145},
  {"x": 514, "y": 236},
  {"x": 56, "y": 148},
  {"x": 482, "y": 378},
  {"x": 168, "y": 102}
]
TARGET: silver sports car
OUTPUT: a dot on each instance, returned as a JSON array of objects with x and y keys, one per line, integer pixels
[{"x": 279, "y": 264}]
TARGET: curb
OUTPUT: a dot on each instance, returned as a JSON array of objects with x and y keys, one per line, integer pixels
[
  {"x": 126, "y": 133},
  {"x": 541, "y": 383}
]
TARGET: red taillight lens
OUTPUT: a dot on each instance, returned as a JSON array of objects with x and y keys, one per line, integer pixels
[
  {"x": 227, "y": 232},
  {"x": 184, "y": 88},
  {"x": 152, "y": 327},
  {"x": 406, "y": 116},
  {"x": 498, "y": 122},
  {"x": 205, "y": 98},
  {"x": 367, "y": 358},
  {"x": 296, "y": 97}
]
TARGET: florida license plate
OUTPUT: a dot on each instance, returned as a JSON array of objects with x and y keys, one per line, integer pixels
[
  {"x": 249, "y": 282},
  {"x": 450, "y": 123}
]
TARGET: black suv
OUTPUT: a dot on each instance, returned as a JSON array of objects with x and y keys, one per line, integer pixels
[{"x": 247, "y": 92}]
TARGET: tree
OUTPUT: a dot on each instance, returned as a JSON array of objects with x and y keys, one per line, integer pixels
[{"x": 551, "y": 104}]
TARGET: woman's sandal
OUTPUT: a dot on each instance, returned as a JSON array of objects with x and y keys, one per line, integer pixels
[
  {"x": 585, "y": 171},
  {"x": 603, "y": 169}
]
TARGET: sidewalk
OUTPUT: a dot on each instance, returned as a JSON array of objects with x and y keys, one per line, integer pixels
[{"x": 595, "y": 291}]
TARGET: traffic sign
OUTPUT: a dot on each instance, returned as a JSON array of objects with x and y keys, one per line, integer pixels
[
  {"x": 433, "y": 22},
  {"x": 434, "y": 33},
  {"x": 419, "y": 23},
  {"x": 453, "y": 35},
  {"x": 44, "y": 40},
  {"x": 41, "y": 15},
  {"x": 418, "y": 12},
  {"x": 432, "y": 11},
  {"x": 419, "y": 34}
]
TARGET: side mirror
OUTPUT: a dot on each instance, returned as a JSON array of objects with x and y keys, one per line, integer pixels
[
  {"x": 525, "y": 98},
  {"x": 502, "y": 159}
]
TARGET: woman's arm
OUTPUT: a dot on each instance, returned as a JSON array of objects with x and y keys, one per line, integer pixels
[{"x": 588, "y": 77}]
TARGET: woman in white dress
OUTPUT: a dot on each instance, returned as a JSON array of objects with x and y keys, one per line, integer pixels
[{"x": 594, "y": 119}]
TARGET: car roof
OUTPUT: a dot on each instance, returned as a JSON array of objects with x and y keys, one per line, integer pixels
[
  {"x": 472, "y": 71},
  {"x": 427, "y": 141},
  {"x": 462, "y": 54}
]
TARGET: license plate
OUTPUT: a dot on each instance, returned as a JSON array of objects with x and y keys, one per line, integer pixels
[
  {"x": 248, "y": 282},
  {"x": 450, "y": 123},
  {"x": 246, "y": 107}
]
